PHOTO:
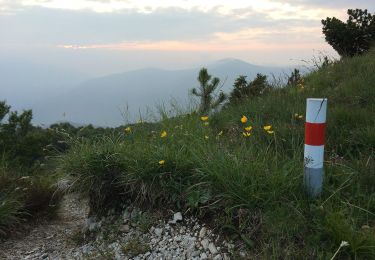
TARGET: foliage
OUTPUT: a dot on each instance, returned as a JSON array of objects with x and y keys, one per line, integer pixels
[
  {"x": 353, "y": 37},
  {"x": 206, "y": 92},
  {"x": 242, "y": 167},
  {"x": 243, "y": 89},
  {"x": 25, "y": 196},
  {"x": 26, "y": 184},
  {"x": 294, "y": 78}
]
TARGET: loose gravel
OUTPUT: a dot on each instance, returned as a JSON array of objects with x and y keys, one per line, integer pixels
[{"x": 131, "y": 235}]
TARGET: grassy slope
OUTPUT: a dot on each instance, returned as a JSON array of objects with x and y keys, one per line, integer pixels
[
  {"x": 25, "y": 196},
  {"x": 252, "y": 187}
]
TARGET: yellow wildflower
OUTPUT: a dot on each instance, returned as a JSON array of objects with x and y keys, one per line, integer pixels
[
  {"x": 163, "y": 134},
  {"x": 206, "y": 123},
  {"x": 206, "y": 137},
  {"x": 270, "y": 132},
  {"x": 161, "y": 162},
  {"x": 249, "y": 128},
  {"x": 243, "y": 119},
  {"x": 267, "y": 127},
  {"x": 300, "y": 116},
  {"x": 220, "y": 133},
  {"x": 204, "y": 118},
  {"x": 128, "y": 129},
  {"x": 296, "y": 115},
  {"x": 246, "y": 134}
]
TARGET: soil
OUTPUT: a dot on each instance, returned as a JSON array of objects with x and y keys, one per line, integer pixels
[{"x": 50, "y": 239}]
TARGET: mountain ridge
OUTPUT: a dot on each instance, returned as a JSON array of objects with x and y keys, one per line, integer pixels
[{"x": 102, "y": 100}]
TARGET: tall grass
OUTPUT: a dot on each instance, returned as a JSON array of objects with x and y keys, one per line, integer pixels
[
  {"x": 23, "y": 196},
  {"x": 251, "y": 186}
]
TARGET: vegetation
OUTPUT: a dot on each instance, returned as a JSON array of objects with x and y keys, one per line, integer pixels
[
  {"x": 27, "y": 178},
  {"x": 241, "y": 168},
  {"x": 295, "y": 78},
  {"x": 243, "y": 89},
  {"x": 353, "y": 37},
  {"x": 27, "y": 182},
  {"x": 207, "y": 91}
]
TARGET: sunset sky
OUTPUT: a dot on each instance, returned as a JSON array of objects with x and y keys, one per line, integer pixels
[{"x": 105, "y": 36}]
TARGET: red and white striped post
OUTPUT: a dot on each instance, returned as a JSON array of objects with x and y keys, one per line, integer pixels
[{"x": 315, "y": 126}]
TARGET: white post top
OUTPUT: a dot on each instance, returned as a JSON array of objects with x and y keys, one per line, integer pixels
[{"x": 316, "y": 110}]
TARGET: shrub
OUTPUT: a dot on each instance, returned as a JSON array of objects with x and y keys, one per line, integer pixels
[
  {"x": 353, "y": 37},
  {"x": 243, "y": 89},
  {"x": 207, "y": 91}
]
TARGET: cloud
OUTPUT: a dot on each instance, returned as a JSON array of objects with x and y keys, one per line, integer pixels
[
  {"x": 338, "y": 4},
  {"x": 51, "y": 27},
  {"x": 233, "y": 30}
]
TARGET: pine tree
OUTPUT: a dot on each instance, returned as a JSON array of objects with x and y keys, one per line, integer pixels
[{"x": 206, "y": 92}]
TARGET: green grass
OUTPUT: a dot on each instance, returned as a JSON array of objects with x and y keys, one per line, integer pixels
[
  {"x": 25, "y": 196},
  {"x": 251, "y": 187}
]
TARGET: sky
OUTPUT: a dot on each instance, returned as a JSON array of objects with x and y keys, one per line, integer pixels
[{"x": 99, "y": 37}]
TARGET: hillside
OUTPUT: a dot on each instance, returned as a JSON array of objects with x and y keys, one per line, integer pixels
[
  {"x": 24, "y": 84},
  {"x": 250, "y": 187},
  {"x": 104, "y": 101}
]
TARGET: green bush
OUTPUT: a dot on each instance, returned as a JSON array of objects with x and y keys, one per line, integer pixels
[{"x": 353, "y": 37}]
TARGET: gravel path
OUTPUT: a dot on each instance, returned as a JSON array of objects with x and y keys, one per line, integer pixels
[
  {"x": 49, "y": 240},
  {"x": 132, "y": 235}
]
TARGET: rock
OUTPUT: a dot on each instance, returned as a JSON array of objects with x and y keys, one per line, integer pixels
[
  {"x": 195, "y": 253},
  {"x": 212, "y": 248},
  {"x": 176, "y": 217},
  {"x": 205, "y": 243},
  {"x": 202, "y": 232},
  {"x": 218, "y": 257},
  {"x": 44, "y": 256},
  {"x": 124, "y": 228},
  {"x": 158, "y": 231},
  {"x": 203, "y": 256}
]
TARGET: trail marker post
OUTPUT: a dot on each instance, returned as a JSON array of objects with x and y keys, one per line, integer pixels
[{"x": 315, "y": 126}]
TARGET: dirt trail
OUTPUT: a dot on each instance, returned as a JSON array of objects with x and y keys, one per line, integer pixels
[{"x": 51, "y": 239}]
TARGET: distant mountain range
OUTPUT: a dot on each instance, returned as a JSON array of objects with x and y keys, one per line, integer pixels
[
  {"x": 24, "y": 84},
  {"x": 116, "y": 98}
]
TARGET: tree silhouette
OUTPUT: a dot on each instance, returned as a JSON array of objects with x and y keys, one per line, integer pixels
[
  {"x": 243, "y": 89},
  {"x": 353, "y": 37},
  {"x": 206, "y": 92},
  {"x": 294, "y": 78}
]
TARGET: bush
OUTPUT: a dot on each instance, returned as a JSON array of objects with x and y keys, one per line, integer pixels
[
  {"x": 353, "y": 37},
  {"x": 243, "y": 89}
]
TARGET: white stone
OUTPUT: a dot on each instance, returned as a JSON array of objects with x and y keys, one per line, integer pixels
[
  {"x": 158, "y": 231},
  {"x": 176, "y": 217},
  {"x": 202, "y": 232},
  {"x": 218, "y": 257},
  {"x": 212, "y": 248},
  {"x": 205, "y": 243}
]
